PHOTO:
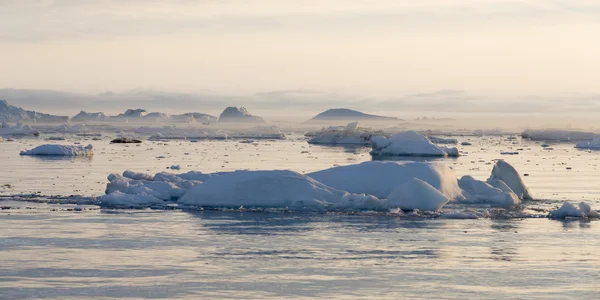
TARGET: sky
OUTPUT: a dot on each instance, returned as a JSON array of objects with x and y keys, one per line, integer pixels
[{"x": 377, "y": 49}]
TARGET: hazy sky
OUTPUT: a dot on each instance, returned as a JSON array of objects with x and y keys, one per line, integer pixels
[{"x": 375, "y": 48}]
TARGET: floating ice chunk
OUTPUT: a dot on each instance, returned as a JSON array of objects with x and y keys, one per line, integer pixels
[
  {"x": 380, "y": 178},
  {"x": 137, "y": 176},
  {"x": 351, "y": 126},
  {"x": 466, "y": 144},
  {"x": 410, "y": 143},
  {"x": 593, "y": 144},
  {"x": 159, "y": 189},
  {"x": 417, "y": 194},
  {"x": 262, "y": 189},
  {"x": 118, "y": 199},
  {"x": 476, "y": 191},
  {"x": 175, "y": 167},
  {"x": 361, "y": 201},
  {"x": 566, "y": 210},
  {"x": 380, "y": 142},
  {"x": 60, "y": 150},
  {"x": 508, "y": 174},
  {"x": 587, "y": 210},
  {"x": 17, "y": 130}
]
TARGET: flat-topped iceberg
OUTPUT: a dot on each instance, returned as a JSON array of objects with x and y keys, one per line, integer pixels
[
  {"x": 60, "y": 150},
  {"x": 409, "y": 143},
  {"x": 264, "y": 189}
]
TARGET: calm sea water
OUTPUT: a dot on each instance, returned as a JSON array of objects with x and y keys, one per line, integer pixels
[{"x": 68, "y": 251}]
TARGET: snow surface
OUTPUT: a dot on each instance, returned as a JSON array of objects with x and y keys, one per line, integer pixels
[
  {"x": 409, "y": 143},
  {"x": 503, "y": 174},
  {"x": 60, "y": 150},
  {"x": 266, "y": 189},
  {"x": 417, "y": 194},
  {"x": 380, "y": 178},
  {"x": 476, "y": 191}
]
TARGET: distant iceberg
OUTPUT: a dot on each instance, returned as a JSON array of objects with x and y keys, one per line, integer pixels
[
  {"x": 60, "y": 150},
  {"x": 409, "y": 143}
]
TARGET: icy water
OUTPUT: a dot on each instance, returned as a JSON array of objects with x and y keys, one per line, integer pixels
[{"x": 69, "y": 251}]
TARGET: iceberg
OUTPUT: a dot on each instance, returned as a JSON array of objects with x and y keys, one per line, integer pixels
[
  {"x": 568, "y": 210},
  {"x": 409, "y": 143},
  {"x": 119, "y": 199},
  {"x": 440, "y": 140},
  {"x": 558, "y": 135},
  {"x": 380, "y": 178},
  {"x": 506, "y": 176},
  {"x": 265, "y": 189},
  {"x": 476, "y": 191},
  {"x": 19, "y": 130},
  {"x": 60, "y": 150},
  {"x": 351, "y": 134}
]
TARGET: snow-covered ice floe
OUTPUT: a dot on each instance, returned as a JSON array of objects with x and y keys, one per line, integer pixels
[
  {"x": 375, "y": 185},
  {"x": 60, "y": 150},
  {"x": 592, "y": 145},
  {"x": 568, "y": 210},
  {"x": 409, "y": 143},
  {"x": 351, "y": 134}
]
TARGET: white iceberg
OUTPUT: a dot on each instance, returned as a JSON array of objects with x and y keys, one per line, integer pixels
[
  {"x": 60, "y": 150},
  {"x": 380, "y": 178},
  {"x": 19, "y": 130},
  {"x": 506, "y": 176},
  {"x": 417, "y": 194},
  {"x": 351, "y": 134},
  {"x": 568, "y": 210},
  {"x": 265, "y": 189},
  {"x": 409, "y": 143},
  {"x": 476, "y": 191}
]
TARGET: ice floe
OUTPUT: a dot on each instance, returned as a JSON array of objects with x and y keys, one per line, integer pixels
[
  {"x": 568, "y": 210},
  {"x": 351, "y": 134},
  {"x": 60, "y": 150},
  {"x": 476, "y": 191},
  {"x": 505, "y": 175},
  {"x": 593, "y": 144},
  {"x": 558, "y": 135}
]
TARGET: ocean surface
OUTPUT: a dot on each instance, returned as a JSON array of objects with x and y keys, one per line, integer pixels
[{"x": 56, "y": 244}]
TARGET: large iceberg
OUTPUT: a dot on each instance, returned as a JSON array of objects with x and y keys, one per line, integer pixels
[
  {"x": 351, "y": 134},
  {"x": 265, "y": 189},
  {"x": 84, "y": 116},
  {"x": 409, "y": 143},
  {"x": 380, "y": 178},
  {"x": 60, "y": 150},
  {"x": 348, "y": 114},
  {"x": 10, "y": 113}
]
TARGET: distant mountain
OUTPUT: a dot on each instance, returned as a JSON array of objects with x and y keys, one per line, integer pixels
[
  {"x": 9, "y": 113},
  {"x": 142, "y": 115},
  {"x": 240, "y": 115},
  {"x": 344, "y": 114},
  {"x": 84, "y": 116}
]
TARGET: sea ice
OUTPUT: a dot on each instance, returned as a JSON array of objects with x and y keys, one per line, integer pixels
[
  {"x": 476, "y": 191},
  {"x": 60, "y": 150},
  {"x": 593, "y": 144}
]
